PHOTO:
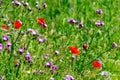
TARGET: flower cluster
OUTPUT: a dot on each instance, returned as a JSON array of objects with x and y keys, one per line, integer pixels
[
  {"x": 17, "y": 3},
  {"x": 73, "y": 21},
  {"x": 28, "y": 57},
  {"x": 51, "y": 66}
]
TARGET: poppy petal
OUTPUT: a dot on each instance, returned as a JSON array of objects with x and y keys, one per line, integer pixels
[
  {"x": 74, "y": 50},
  {"x": 41, "y": 21},
  {"x": 5, "y": 27},
  {"x": 97, "y": 64},
  {"x": 17, "y": 24}
]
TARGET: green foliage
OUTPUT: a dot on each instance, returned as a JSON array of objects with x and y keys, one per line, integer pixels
[{"x": 60, "y": 35}]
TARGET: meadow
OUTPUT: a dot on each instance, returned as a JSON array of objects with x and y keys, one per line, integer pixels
[{"x": 60, "y": 40}]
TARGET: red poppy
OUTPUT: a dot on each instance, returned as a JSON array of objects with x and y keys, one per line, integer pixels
[
  {"x": 74, "y": 50},
  {"x": 17, "y": 24},
  {"x": 5, "y": 27},
  {"x": 41, "y": 21},
  {"x": 97, "y": 64}
]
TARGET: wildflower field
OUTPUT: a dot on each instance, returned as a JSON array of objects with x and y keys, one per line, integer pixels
[{"x": 60, "y": 40}]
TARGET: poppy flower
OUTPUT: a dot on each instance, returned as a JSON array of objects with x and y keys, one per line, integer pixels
[
  {"x": 74, "y": 50},
  {"x": 97, "y": 64},
  {"x": 5, "y": 27},
  {"x": 41, "y": 21},
  {"x": 17, "y": 24}
]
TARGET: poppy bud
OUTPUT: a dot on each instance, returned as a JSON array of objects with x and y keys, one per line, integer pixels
[{"x": 85, "y": 46}]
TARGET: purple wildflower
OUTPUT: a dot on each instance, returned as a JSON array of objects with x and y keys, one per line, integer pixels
[
  {"x": 46, "y": 56},
  {"x": 49, "y": 64},
  {"x": 17, "y": 64},
  {"x": 33, "y": 32},
  {"x": 54, "y": 67},
  {"x": 16, "y": 3},
  {"x": 8, "y": 46},
  {"x": 13, "y": 2},
  {"x": 69, "y": 77},
  {"x": 71, "y": 20},
  {"x": 114, "y": 45},
  {"x": 45, "y": 5},
  {"x": 21, "y": 51},
  {"x": 40, "y": 40},
  {"x": 51, "y": 78},
  {"x": 104, "y": 73},
  {"x": 99, "y": 23},
  {"x": 57, "y": 52},
  {"x": 81, "y": 24},
  {"x": 1, "y": 46},
  {"x": 28, "y": 57},
  {"x": 99, "y": 11},
  {"x": 5, "y": 37},
  {"x": 38, "y": 35},
  {"x": 30, "y": 30},
  {"x": 44, "y": 39}
]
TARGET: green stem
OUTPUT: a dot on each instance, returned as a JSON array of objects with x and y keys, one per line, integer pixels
[{"x": 97, "y": 57}]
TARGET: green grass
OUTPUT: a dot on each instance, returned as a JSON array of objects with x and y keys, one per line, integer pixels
[{"x": 60, "y": 35}]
